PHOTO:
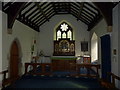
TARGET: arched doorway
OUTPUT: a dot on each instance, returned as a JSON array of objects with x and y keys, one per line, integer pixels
[
  {"x": 14, "y": 61},
  {"x": 94, "y": 48}
]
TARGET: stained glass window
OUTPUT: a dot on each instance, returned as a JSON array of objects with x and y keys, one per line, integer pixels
[{"x": 64, "y": 31}]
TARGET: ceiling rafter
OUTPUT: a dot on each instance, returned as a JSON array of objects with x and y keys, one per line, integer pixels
[
  {"x": 94, "y": 22},
  {"x": 7, "y": 5},
  {"x": 54, "y": 7},
  {"x": 82, "y": 19},
  {"x": 28, "y": 10},
  {"x": 41, "y": 11},
  {"x": 37, "y": 9},
  {"x": 42, "y": 19},
  {"x": 26, "y": 5},
  {"x": 35, "y": 14},
  {"x": 38, "y": 17},
  {"x": 46, "y": 20},
  {"x": 80, "y": 10}
]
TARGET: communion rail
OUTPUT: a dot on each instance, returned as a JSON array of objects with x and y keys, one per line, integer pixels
[{"x": 48, "y": 69}]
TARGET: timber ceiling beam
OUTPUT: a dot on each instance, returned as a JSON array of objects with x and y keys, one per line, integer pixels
[
  {"x": 106, "y": 10},
  {"x": 41, "y": 11},
  {"x": 13, "y": 11},
  {"x": 80, "y": 10},
  {"x": 94, "y": 22},
  {"x": 26, "y": 5},
  {"x": 42, "y": 19},
  {"x": 36, "y": 13},
  {"x": 46, "y": 20}
]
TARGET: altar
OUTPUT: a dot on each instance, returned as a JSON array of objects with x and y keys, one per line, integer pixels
[{"x": 64, "y": 63}]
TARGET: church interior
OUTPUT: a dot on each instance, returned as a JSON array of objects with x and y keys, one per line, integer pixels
[{"x": 54, "y": 44}]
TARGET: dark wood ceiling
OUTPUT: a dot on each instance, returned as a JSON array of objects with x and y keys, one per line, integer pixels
[{"x": 35, "y": 14}]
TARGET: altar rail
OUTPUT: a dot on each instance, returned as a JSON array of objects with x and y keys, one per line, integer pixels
[
  {"x": 47, "y": 69},
  {"x": 43, "y": 66},
  {"x": 89, "y": 68}
]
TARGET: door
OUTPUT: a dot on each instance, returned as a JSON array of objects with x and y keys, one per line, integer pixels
[
  {"x": 14, "y": 58},
  {"x": 106, "y": 55}
]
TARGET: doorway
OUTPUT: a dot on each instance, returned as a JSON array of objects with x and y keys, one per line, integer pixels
[
  {"x": 14, "y": 61},
  {"x": 106, "y": 56}
]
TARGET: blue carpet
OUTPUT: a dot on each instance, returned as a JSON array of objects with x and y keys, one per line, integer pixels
[{"x": 30, "y": 81}]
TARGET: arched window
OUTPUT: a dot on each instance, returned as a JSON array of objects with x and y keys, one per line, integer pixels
[
  {"x": 69, "y": 34},
  {"x": 64, "y": 31},
  {"x": 58, "y": 34},
  {"x": 64, "y": 45}
]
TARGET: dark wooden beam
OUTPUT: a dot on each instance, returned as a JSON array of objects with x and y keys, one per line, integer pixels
[
  {"x": 42, "y": 19},
  {"x": 90, "y": 10},
  {"x": 41, "y": 11},
  {"x": 13, "y": 11},
  {"x": 39, "y": 20},
  {"x": 95, "y": 22},
  {"x": 39, "y": 16},
  {"x": 7, "y": 5},
  {"x": 29, "y": 10},
  {"x": 81, "y": 19},
  {"x": 87, "y": 3},
  {"x": 29, "y": 23},
  {"x": 35, "y": 11},
  {"x": 26, "y": 5},
  {"x": 87, "y": 15},
  {"x": 46, "y": 20},
  {"x": 80, "y": 10},
  {"x": 106, "y": 10},
  {"x": 54, "y": 7},
  {"x": 87, "y": 19}
]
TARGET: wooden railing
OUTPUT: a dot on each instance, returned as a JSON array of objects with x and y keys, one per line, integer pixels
[
  {"x": 5, "y": 80},
  {"x": 73, "y": 68},
  {"x": 90, "y": 72},
  {"x": 107, "y": 84},
  {"x": 35, "y": 66}
]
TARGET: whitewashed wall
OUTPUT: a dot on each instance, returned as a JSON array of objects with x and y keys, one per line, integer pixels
[
  {"x": 46, "y": 35},
  {"x": 0, "y": 46},
  {"x": 25, "y": 36},
  {"x": 116, "y": 42},
  {"x": 100, "y": 29}
]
